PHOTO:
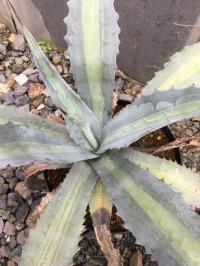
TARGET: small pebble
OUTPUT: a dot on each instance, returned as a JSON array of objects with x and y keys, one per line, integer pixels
[
  {"x": 22, "y": 100},
  {"x": 2, "y": 27},
  {"x": 9, "y": 229},
  {"x": 21, "y": 79},
  {"x": 23, "y": 190}
]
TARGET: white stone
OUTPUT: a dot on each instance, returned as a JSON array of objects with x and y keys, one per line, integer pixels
[
  {"x": 21, "y": 79},
  {"x": 4, "y": 88}
]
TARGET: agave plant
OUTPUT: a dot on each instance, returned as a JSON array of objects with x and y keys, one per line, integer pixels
[{"x": 153, "y": 196}]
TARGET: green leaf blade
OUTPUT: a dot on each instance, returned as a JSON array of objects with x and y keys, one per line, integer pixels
[
  {"x": 55, "y": 240},
  {"x": 181, "y": 71},
  {"x": 156, "y": 215},
  {"x": 93, "y": 45},
  {"x": 21, "y": 144},
  {"x": 17, "y": 117},
  {"x": 148, "y": 114},
  {"x": 180, "y": 178},
  {"x": 81, "y": 122}
]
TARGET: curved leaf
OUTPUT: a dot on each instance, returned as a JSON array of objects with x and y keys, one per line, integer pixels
[
  {"x": 101, "y": 211},
  {"x": 156, "y": 215},
  {"x": 181, "y": 71},
  {"x": 67, "y": 100},
  {"x": 136, "y": 121},
  {"x": 54, "y": 240},
  {"x": 82, "y": 124},
  {"x": 25, "y": 145},
  {"x": 17, "y": 117},
  {"x": 93, "y": 44},
  {"x": 181, "y": 179}
]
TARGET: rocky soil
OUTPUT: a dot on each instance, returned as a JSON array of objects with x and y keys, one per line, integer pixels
[{"x": 21, "y": 86}]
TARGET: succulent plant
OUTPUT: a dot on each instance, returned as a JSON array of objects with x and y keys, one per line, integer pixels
[{"x": 153, "y": 196}]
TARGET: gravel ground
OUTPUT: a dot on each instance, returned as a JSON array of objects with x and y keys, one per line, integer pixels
[{"x": 20, "y": 85}]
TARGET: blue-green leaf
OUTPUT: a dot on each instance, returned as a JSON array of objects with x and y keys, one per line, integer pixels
[
  {"x": 93, "y": 44},
  {"x": 55, "y": 239},
  {"x": 156, "y": 215}
]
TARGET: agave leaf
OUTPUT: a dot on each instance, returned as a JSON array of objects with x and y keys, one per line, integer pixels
[
  {"x": 136, "y": 121},
  {"x": 67, "y": 100},
  {"x": 93, "y": 44},
  {"x": 181, "y": 71},
  {"x": 17, "y": 117},
  {"x": 82, "y": 124},
  {"x": 25, "y": 145},
  {"x": 156, "y": 214},
  {"x": 54, "y": 240},
  {"x": 181, "y": 179},
  {"x": 101, "y": 211}
]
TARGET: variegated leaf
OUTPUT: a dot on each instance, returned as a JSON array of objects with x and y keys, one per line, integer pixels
[
  {"x": 156, "y": 215},
  {"x": 25, "y": 145},
  {"x": 101, "y": 211},
  {"x": 81, "y": 122},
  {"x": 180, "y": 72},
  {"x": 136, "y": 121},
  {"x": 54, "y": 240},
  {"x": 93, "y": 44},
  {"x": 182, "y": 179},
  {"x": 17, "y": 117}
]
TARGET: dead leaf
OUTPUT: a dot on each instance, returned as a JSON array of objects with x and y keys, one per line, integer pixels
[{"x": 33, "y": 216}]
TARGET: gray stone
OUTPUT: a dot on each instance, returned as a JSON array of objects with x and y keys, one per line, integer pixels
[
  {"x": 4, "y": 213},
  {"x": 8, "y": 73},
  {"x": 22, "y": 235},
  {"x": 16, "y": 252},
  {"x": 3, "y": 49},
  {"x": 20, "y": 174},
  {"x": 22, "y": 100},
  {"x": 13, "y": 242},
  {"x": 2, "y": 78},
  {"x": 19, "y": 43},
  {"x": 34, "y": 78},
  {"x": 9, "y": 98},
  {"x": 49, "y": 102},
  {"x": 13, "y": 183},
  {"x": 3, "y": 188},
  {"x": 2, "y": 240},
  {"x": 14, "y": 199},
  {"x": 3, "y": 201},
  {"x": 9, "y": 229},
  {"x": 23, "y": 190},
  {"x": 7, "y": 173},
  {"x": 4, "y": 251},
  {"x": 19, "y": 225},
  {"x": 22, "y": 212},
  {"x": 20, "y": 90},
  {"x": 36, "y": 184},
  {"x": 19, "y": 61},
  {"x": 17, "y": 68},
  {"x": 1, "y": 225}
]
